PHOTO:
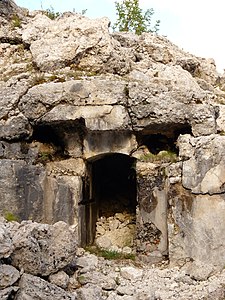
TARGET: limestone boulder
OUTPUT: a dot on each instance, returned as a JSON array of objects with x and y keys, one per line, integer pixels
[
  {"x": 131, "y": 273},
  {"x": 42, "y": 249},
  {"x": 6, "y": 245},
  {"x": 8, "y": 276},
  {"x": 151, "y": 51},
  {"x": 10, "y": 96},
  {"x": 70, "y": 39},
  {"x": 15, "y": 128},
  {"x": 60, "y": 279},
  {"x": 6, "y": 293},
  {"x": 87, "y": 263},
  {"x": 104, "y": 117},
  {"x": 33, "y": 287},
  {"x": 195, "y": 228},
  {"x": 15, "y": 61},
  {"x": 8, "y": 8},
  {"x": 89, "y": 292},
  {"x": 74, "y": 94},
  {"x": 19, "y": 182},
  {"x": 158, "y": 106},
  {"x": 198, "y": 270},
  {"x": 203, "y": 171}
]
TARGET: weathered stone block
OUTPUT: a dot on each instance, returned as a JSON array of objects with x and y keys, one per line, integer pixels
[
  {"x": 21, "y": 187},
  {"x": 196, "y": 227},
  {"x": 8, "y": 276},
  {"x": 204, "y": 172},
  {"x": 32, "y": 287},
  {"x": 42, "y": 249}
]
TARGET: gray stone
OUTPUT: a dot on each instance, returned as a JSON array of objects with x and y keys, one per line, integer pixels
[
  {"x": 131, "y": 273},
  {"x": 32, "y": 287},
  {"x": 42, "y": 249},
  {"x": 147, "y": 109},
  {"x": 6, "y": 245},
  {"x": 60, "y": 279},
  {"x": 10, "y": 96},
  {"x": 5, "y": 294},
  {"x": 89, "y": 292},
  {"x": 98, "y": 279},
  {"x": 199, "y": 271},
  {"x": 103, "y": 117},
  {"x": 8, "y": 276},
  {"x": 87, "y": 262},
  {"x": 21, "y": 189},
  {"x": 15, "y": 128},
  {"x": 203, "y": 172},
  {"x": 8, "y": 8},
  {"x": 195, "y": 229},
  {"x": 67, "y": 39},
  {"x": 125, "y": 290},
  {"x": 62, "y": 194}
]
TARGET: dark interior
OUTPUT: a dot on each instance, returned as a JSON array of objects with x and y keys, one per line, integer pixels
[
  {"x": 114, "y": 184},
  {"x": 159, "y": 141},
  {"x": 109, "y": 188}
]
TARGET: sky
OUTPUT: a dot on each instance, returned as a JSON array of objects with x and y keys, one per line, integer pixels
[{"x": 196, "y": 26}]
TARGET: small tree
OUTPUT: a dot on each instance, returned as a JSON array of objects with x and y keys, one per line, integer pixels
[{"x": 132, "y": 18}]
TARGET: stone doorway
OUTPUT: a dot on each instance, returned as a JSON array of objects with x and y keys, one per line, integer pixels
[{"x": 110, "y": 198}]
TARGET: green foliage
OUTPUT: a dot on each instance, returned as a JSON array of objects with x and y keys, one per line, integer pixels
[
  {"x": 10, "y": 217},
  {"x": 110, "y": 255},
  {"x": 83, "y": 12},
  {"x": 162, "y": 156},
  {"x": 132, "y": 18},
  {"x": 44, "y": 157},
  {"x": 50, "y": 12},
  {"x": 16, "y": 21}
]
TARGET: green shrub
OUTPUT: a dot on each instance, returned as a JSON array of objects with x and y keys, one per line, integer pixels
[
  {"x": 16, "y": 21},
  {"x": 51, "y": 14},
  {"x": 10, "y": 217},
  {"x": 132, "y": 18}
]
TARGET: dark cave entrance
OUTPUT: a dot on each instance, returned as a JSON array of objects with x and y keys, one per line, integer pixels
[{"x": 109, "y": 193}]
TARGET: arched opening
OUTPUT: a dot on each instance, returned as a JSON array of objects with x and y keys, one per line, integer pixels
[{"x": 109, "y": 204}]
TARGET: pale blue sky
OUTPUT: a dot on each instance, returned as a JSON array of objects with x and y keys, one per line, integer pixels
[{"x": 197, "y": 26}]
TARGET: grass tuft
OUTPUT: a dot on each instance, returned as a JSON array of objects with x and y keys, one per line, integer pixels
[{"x": 110, "y": 255}]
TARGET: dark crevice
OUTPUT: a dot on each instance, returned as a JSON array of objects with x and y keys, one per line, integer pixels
[
  {"x": 157, "y": 142},
  {"x": 55, "y": 137}
]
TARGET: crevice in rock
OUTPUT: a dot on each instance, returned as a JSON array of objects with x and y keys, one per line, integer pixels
[
  {"x": 162, "y": 141},
  {"x": 56, "y": 138}
]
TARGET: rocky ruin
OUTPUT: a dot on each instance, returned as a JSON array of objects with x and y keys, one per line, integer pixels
[{"x": 120, "y": 136}]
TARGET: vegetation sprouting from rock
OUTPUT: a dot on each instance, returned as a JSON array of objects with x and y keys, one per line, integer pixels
[{"x": 132, "y": 18}]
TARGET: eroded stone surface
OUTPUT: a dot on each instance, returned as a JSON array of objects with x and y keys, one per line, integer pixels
[
  {"x": 41, "y": 248},
  {"x": 32, "y": 287},
  {"x": 8, "y": 276},
  {"x": 203, "y": 172}
]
